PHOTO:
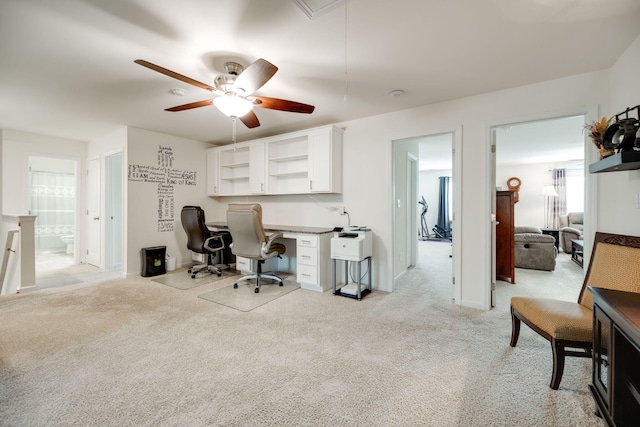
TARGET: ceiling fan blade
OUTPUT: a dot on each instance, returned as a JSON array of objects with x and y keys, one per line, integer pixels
[
  {"x": 175, "y": 75},
  {"x": 282, "y": 104},
  {"x": 250, "y": 120},
  {"x": 190, "y": 105},
  {"x": 255, "y": 76}
]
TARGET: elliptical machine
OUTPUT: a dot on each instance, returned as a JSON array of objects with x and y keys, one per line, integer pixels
[{"x": 424, "y": 233}]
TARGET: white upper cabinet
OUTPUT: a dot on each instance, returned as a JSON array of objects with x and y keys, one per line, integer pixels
[
  {"x": 296, "y": 163},
  {"x": 305, "y": 162},
  {"x": 325, "y": 158},
  {"x": 212, "y": 172},
  {"x": 256, "y": 165}
]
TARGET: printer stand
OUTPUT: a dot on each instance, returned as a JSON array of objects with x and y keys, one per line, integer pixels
[{"x": 354, "y": 290}]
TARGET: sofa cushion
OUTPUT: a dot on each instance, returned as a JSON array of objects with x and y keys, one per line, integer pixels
[
  {"x": 575, "y": 220},
  {"x": 519, "y": 229}
]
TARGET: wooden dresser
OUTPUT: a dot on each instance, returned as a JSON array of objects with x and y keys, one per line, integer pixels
[
  {"x": 615, "y": 382},
  {"x": 505, "y": 244}
]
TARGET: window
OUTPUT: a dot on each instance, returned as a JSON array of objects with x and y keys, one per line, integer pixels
[{"x": 575, "y": 190}]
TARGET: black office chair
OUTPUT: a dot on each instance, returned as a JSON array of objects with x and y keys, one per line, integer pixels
[
  {"x": 250, "y": 241},
  {"x": 201, "y": 240}
]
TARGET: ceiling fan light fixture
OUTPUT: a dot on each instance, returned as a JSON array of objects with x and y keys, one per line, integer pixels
[{"x": 233, "y": 106}]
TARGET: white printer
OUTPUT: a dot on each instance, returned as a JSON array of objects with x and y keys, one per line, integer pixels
[{"x": 352, "y": 244}]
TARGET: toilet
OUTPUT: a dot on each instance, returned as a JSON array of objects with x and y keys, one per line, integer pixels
[{"x": 68, "y": 240}]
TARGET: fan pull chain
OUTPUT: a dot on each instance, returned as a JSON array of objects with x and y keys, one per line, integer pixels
[
  {"x": 346, "y": 76},
  {"x": 233, "y": 138}
]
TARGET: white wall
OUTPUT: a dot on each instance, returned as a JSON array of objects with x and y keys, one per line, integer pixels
[
  {"x": 16, "y": 147},
  {"x": 530, "y": 209},
  {"x": 617, "y": 211},
  {"x": 142, "y": 201}
]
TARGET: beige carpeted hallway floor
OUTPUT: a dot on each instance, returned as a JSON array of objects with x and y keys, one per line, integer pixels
[{"x": 136, "y": 352}]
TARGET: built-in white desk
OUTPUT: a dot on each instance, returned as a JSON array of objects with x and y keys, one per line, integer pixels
[{"x": 308, "y": 254}]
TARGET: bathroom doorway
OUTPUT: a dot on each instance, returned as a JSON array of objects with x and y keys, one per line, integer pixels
[{"x": 53, "y": 184}]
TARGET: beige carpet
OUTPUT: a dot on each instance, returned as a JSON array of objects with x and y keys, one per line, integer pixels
[{"x": 138, "y": 353}]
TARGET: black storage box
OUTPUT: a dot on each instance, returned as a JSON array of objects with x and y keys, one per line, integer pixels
[{"x": 153, "y": 261}]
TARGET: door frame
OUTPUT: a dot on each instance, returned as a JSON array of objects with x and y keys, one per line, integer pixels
[
  {"x": 590, "y": 184},
  {"x": 98, "y": 260},
  {"x": 457, "y": 227},
  {"x": 412, "y": 211},
  {"x": 79, "y": 226}
]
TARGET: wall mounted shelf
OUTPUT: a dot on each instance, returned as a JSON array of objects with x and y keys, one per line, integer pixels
[{"x": 622, "y": 161}]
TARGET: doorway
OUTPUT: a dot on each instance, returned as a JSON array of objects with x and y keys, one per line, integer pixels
[
  {"x": 53, "y": 184},
  {"x": 539, "y": 155},
  {"x": 413, "y": 226}
]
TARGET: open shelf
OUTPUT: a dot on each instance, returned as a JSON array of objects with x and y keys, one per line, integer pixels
[
  {"x": 289, "y": 158},
  {"x": 289, "y": 174},
  {"x": 622, "y": 161},
  {"x": 235, "y": 165},
  {"x": 235, "y": 178}
]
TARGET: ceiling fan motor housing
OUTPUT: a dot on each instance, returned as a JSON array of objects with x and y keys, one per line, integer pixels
[{"x": 224, "y": 82}]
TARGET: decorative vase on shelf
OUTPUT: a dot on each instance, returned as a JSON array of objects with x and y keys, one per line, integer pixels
[{"x": 604, "y": 153}]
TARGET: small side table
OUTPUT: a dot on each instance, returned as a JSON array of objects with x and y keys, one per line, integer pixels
[
  {"x": 554, "y": 233},
  {"x": 577, "y": 251},
  {"x": 356, "y": 289}
]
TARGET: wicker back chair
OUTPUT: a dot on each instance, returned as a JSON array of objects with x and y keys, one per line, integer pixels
[{"x": 568, "y": 326}]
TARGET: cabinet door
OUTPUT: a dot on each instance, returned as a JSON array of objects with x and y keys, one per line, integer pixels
[
  {"x": 212, "y": 172},
  {"x": 320, "y": 162},
  {"x": 601, "y": 352},
  {"x": 257, "y": 168}
]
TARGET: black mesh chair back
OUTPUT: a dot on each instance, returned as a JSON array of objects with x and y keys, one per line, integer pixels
[{"x": 194, "y": 225}]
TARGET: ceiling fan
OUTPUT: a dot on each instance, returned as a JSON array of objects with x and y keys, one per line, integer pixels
[{"x": 235, "y": 89}]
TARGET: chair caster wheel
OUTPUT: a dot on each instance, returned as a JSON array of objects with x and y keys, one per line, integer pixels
[
  {"x": 257, "y": 290},
  {"x": 220, "y": 274},
  {"x": 235, "y": 286},
  {"x": 193, "y": 276},
  {"x": 280, "y": 284}
]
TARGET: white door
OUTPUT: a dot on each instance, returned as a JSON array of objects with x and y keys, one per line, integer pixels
[
  {"x": 493, "y": 218},
  {"x": 114, "y": 209},
  {"x": 93, "y": 212}
]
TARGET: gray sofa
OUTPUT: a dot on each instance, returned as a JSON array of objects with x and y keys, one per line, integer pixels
[
  {"x": 534, "y": 250},
  {"x": 571, "y": 228}
]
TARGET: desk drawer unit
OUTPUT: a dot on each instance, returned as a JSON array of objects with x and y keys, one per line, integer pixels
[
  {"x": 243, "y": 264},
  {"x": 307, "y": 263}
]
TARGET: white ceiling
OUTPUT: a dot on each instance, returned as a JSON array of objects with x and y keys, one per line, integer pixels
[
  {"x": 67, "y": 66},
  {"x": 546, "y": 141}
]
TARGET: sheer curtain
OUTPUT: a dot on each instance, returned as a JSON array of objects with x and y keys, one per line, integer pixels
[
  {"x": 53, "y": 198},
  {"x": 559, "y": 204}
]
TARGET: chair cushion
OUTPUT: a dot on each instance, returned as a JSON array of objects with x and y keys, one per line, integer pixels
[{"x": 564, "y": 320}]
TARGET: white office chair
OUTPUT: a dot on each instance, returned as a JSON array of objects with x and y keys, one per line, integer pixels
[{"x": 250, "y": 241}]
